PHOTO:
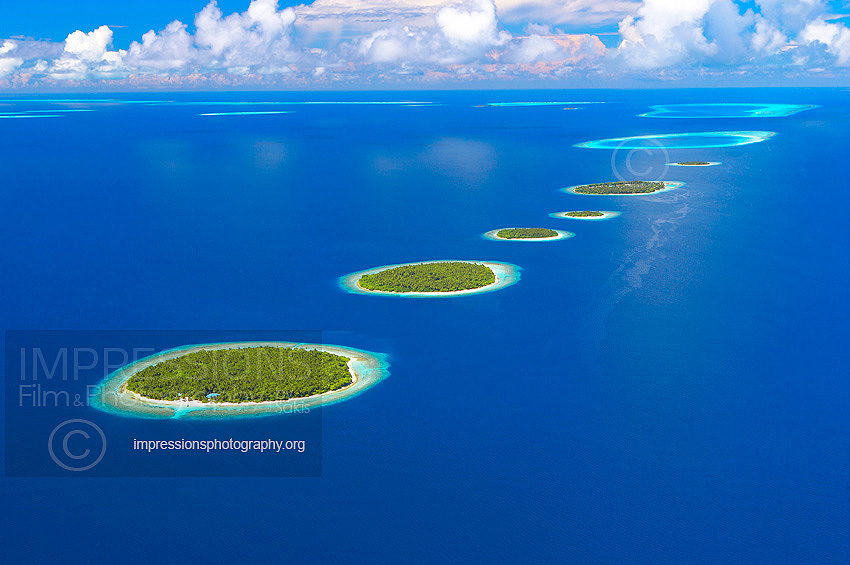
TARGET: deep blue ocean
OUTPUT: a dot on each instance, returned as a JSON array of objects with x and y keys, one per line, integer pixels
[{"x": 669, "y": 386}]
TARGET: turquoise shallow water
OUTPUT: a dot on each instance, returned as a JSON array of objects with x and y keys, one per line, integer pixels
[
  {"x": 691, "y": 140},
  {"x": 726, "y": 110}
]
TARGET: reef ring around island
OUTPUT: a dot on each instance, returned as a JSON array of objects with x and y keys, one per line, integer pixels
[
  {"x": 367, "y": 369},
  {"x": 506, "y": 275},
  {"x": 694, "y": 140},
  {"x": 493, "y": 236}
]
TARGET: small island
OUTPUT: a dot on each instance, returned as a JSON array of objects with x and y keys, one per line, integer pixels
[
  {"x": 527, "y": 234},
  {"x": 238, "y": 379},
  {"x": 623, "y": 188},
  {"x": 450, "y": 276},
  {"x": 586, "y": 214},
  {"x": 694, "y": 164},
  {"x": 432, "y": 278}
]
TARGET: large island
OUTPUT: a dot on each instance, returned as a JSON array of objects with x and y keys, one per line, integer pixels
[
  {"x": 627, "y": 187},
  {"x": 432, "y": 278},
  {"x": 247, "y": 374},
  {"x": 239, "y": 379}
]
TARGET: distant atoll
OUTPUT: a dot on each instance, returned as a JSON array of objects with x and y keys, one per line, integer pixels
[
  {"x": 526, "y": 104},
  {"x": 623, "y": 188},
  {"x": 432, "y": 278},
  {"x": 586, "y": 214},
  {"x": 726, "y": 110},
  {"x": 694, "y": 164},
  {"x": 527, "y": 234},
  {"x": 695, "y": 140},
  {"x": 238, "y": 379}
]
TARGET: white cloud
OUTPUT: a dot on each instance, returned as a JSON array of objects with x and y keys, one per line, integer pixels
[
  {"x": 835, "y": 37},
  {"x": 665, "y": 33},
  {"x": 170, "y": 49},
  {"x": 256, "y": 40},
  {"x": 89, "y": 46},
  {"x": 571, "y": 12},
  {"x": 453, "y": 35},
  {"x": 475, "y": 25},
  {"x": 534, "y": 49},
  {"x": 87, "y": 53},
  {"x": 376, "y": 40},
  {"x": 8, "y": 64},
  {"x": 791, "y": 15},
  {"x": 766, "y": 37},
  {"x": 558, "y": 50},
  {"x": 722, "y": 33}
]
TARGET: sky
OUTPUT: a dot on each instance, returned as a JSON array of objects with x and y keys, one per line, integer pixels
[{"x": 192, "y": 44}]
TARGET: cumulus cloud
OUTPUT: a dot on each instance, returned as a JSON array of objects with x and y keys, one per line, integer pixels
[
  {"x": 554, "y": 50},
  {"x": 572, "y": 12},
  {"x": 766, "y": 37},
  {"x": 475, "y": 25},
  {"x": 256, "y": 40},
  {"x": 87, "y": 53},
  {"x": 670, "y": 34},
  {"x": 170, "y": 49},
  {"x": 835, "y": 37},
  {"x": 8, "y": 62},
  {"x": 459, "y": 34},
  {"x": 665, "y": 33},
  {"x": 436, "y": 40}
]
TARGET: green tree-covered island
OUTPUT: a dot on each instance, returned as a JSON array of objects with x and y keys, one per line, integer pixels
[
  {"x": 526, "y": 233},
  {"x": 693, "y": 163},
  {"x": 621, "y": 187},
  {"x": 448, "y": 276},
  {"x": 432, "y": 278},
  {"x": 238, "y": 379},
  {"x": 584, "y": 214},
  {"x": 249, "y": 374}
]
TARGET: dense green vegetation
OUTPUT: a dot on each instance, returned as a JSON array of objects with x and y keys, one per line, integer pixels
[
  {"x": 584, "y": 214},
  {"x": 693, "y": 163},
  {"x": 620, "y": 187},
  {"x": 525, "y": 233},
  {"x": 430, "y": 277},
  {"x": 250, "y": 374}
]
